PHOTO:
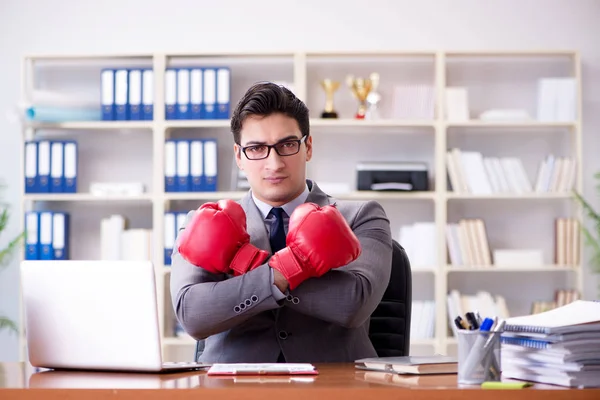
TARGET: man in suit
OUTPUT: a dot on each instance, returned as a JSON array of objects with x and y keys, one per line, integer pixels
[{"x": 288, "y": 274}]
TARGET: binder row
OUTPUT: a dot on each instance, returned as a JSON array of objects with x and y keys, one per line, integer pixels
[
  {"x": 191, "y": 165},
  {"x": 197, "y": 93},
  {"x": 50, "y": 166},
  {"x": 46, "y": 235},
  {"x": 127, "y": 94},
  {"x": 174, "y": 220}
]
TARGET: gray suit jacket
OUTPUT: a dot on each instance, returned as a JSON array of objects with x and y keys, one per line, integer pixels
[{"x": 324, "y": 319}]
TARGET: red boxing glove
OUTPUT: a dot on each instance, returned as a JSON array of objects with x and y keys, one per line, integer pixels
[
  {"x": 318, "y": 240},
  {"x": 216, "y": 240}
]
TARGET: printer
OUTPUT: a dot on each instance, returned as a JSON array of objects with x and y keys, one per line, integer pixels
[{"x": 402, "y": 176}]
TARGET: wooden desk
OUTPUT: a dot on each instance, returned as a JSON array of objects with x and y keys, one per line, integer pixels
[{"x": 335, "y": 381}]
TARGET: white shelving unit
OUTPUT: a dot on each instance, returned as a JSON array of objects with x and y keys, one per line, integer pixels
[{"x": 339, "y": 144}]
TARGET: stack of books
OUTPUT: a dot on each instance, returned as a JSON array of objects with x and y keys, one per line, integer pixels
[{"x": 559, "y": 346}]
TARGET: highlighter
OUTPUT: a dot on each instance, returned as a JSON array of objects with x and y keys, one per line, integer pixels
[{"x": 505, "y": 385}]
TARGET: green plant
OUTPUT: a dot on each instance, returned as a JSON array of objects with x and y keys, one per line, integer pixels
[
  {"x": 5, "y": 256},
  {"x": 592, "y": 236}
]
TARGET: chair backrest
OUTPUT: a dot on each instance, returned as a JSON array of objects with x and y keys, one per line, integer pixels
[{"x": 389, "y": 328}]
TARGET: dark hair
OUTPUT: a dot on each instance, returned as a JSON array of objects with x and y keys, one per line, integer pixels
[{"x": 264, "y": 99}]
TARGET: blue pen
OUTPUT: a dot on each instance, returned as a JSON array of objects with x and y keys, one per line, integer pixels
[{"x": 486, "y": 325}]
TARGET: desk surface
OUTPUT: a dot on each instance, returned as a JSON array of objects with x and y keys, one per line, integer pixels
[{"x": 21, "y": 381}]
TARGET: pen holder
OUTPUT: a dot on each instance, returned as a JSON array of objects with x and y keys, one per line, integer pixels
[{"x": 478, "y": 357}]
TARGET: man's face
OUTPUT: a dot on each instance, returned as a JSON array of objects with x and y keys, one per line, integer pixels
[{"x": 276, "y": 179}]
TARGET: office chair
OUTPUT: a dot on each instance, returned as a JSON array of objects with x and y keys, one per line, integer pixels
[{"x": 389, "y": 327}]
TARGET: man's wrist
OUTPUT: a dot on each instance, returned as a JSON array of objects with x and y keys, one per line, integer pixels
[{"x": 280, "y": 281}]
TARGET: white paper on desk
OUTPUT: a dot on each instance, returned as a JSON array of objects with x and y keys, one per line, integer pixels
[{"x": 262, "y": 369}]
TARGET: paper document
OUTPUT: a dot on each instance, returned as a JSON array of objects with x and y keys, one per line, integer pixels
[{"x": 262, "y": 369}]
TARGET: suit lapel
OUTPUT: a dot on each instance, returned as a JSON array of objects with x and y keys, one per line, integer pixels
[{"x": 316, "y": 195}]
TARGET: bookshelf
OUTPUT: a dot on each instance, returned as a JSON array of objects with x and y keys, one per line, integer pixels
[{"x": 493, "y": 79}]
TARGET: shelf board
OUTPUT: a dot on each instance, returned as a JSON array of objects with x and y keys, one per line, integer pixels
[
  {"x": 423, "y": 342},
  {"x": 203, "y": 195},
  {"x": 99, "y": 125},
  {"x": 356, "y": 195},
  {"x": 510, "y": 53},
  {"x": 508, "y": 196},
  {"x": 315, "y": 122},
  {"x": 87, "y": 197},
  {"x": 517, "y": 268},
  {"x": 178, "y": 341},
  {"x": 198, "y": 123},
  {"x": 349, "y": 122},
  {"x": 384, "y": 195},
  {"x": 423, "y": 270},
  {"x": 509, "y": 124}
]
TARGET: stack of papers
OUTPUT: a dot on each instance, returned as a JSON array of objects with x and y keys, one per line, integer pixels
[
  {"x": 560, "y": 346},
  {"x": 262, "y": 369}
]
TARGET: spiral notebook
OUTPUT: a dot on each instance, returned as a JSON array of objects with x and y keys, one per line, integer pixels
[{"x": 578, "y": 316}]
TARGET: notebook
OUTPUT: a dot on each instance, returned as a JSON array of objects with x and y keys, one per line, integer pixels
[
  {"x": 578, "y": 316},
  {"x": 410, "y": 364}
]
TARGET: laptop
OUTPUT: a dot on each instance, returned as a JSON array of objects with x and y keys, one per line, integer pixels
[{"x": 94, "y": 315}]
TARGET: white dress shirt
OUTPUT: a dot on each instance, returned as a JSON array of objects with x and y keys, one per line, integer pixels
[{"x": 269, "y": 220}]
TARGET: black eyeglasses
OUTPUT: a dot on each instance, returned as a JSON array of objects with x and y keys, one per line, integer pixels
[{"x": 284, "y": 149}]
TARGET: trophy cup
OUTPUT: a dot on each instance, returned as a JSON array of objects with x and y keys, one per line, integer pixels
[
  {"x": 360, "y": 88},
  {"x": 373, "y": 98},
  {"x": 330, "y": 86}
]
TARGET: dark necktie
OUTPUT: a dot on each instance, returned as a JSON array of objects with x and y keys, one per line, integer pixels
[{"x": 277, "y": 236}]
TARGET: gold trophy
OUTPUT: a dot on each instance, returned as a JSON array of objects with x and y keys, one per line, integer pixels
[
  {"x": 373, "y": 99},
  {"x": 360, "y": 87},
  {"x": 330, "y": 86}
]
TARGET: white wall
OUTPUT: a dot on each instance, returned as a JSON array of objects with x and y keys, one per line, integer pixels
[{"x": 71, "y": 26}]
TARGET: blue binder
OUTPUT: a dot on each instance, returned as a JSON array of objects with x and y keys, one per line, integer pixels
[
  {"x": 32, "y": 235},
  {"x": 183, "y": 166},
  {"x": 210, "y": 93},
  {"x": 147, "y": 94},
  {"x": 121, "y": 94},
  {"x": 196, "y": 94},
  {"x": 223, "y": 92},
  {"x": 171, "y": 93},
  {"x": 31, "y": 170},
  {"x": 170, "y": 235},
  {"x": 210, "y": 165},
  {"x": 43, "y": 164},
  {"x": 197, "y": 165},
  {"x": 171, "y": 165},
  {"x": 60, "y": 236},
  {"x": 183, "y": 94},
  {"x": 57, "y": 184},
  {"x": 134, "y": 103},
  {"x": 45, "y": 242},
  {"x": 70, "y": 158},
  {"x": 107, "y": 93}
]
